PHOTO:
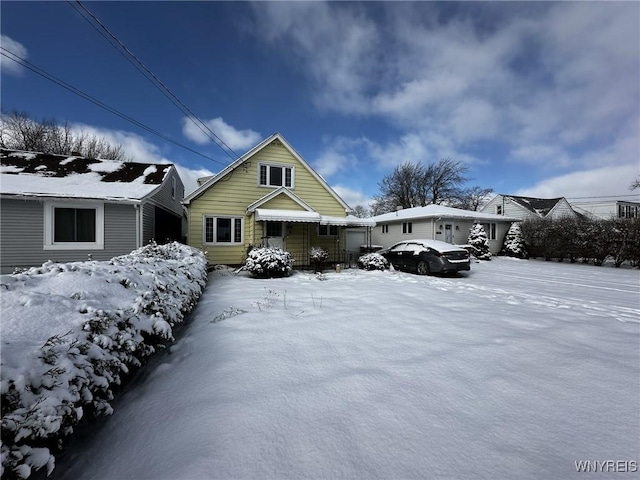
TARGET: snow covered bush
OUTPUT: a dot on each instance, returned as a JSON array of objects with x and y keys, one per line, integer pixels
[
  {"x": 269, "y": 262},
  {"x": 373, "y": 261},
  {"x": 46, "y": 391},
  {"x": 514, "y": 245},
  {"x": 478, "y": 240},
  {"x": 318, "y": 256}
]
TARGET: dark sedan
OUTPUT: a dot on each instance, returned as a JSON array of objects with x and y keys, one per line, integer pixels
[{"x": 427, "y": 256}]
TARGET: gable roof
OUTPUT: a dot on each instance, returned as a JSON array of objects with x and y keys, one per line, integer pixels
[
  {"x": 274, "y": 194},
  {"x": 266, "y": 142},
  {"x": 47, "y": 175},
  {"x": 539, "y": 206},
  {"x": 439, "y": 211}
]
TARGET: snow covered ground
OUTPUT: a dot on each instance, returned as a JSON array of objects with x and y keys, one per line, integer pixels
[{"x": 517, "y": 369}]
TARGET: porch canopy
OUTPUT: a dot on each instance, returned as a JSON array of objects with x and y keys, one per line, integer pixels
[{"x": 271, "y": 215}]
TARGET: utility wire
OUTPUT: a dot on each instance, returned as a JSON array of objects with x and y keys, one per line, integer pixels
[
  {"x": 30, "y": 66},
  {"x": 142, "y": 68}
]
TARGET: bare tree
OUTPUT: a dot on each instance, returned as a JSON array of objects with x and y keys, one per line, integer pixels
[
  {"x": 472, "y": 198},
  {"x": 635, "y": 184},
  {"x": 445, "y": 179},
  {"x": 360, "y": 211},
  {"x": 417, "y": 185},
  {"x": 19, "y": 132}
]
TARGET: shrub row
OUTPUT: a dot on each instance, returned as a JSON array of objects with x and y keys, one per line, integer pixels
[
  {"x": 76, "y": 374},
  {"x": 584, "y": 239}
]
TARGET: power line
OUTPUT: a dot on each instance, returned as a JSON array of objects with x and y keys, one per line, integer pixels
[
  {"x": 605, "y": 196},
  {"x": 52, "y": 78},
  {"x": 149, "y": 75}
]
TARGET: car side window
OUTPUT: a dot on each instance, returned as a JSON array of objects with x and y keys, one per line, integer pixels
[
  {"x": 398, "y": 248},
  {"x": 414, "y": 248}
]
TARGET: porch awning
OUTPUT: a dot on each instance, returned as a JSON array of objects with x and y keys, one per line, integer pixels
[
  {"x": 348, "y": 221},
  {"x": 270, "y": 215}
]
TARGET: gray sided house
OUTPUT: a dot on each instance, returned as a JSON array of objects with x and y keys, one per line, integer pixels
[
  {"x": 526, "y": 208},
  {"x": 436, "y": 222},
  {"x": 65, "y": 208}
]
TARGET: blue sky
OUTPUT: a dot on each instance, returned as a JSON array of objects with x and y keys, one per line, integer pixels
[{"x": 539, "y": 98}]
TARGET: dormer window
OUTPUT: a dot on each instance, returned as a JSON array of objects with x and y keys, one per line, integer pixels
[{"x": 275, "y": 175}]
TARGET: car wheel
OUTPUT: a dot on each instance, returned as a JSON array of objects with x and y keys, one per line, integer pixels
[{"x": 422, "y": 268}]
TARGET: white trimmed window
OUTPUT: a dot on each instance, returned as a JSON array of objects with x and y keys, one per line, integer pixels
[
  {"x": 270, "y": 175},
  {"x": 385, "y": 228},
  {"x": 223, "y": 230},
  {"x": 327, "y": 230},
  {"x": 490, "y": 229},
  {"x": 73, "y": 226},
  {"x": 498, "y": 209},
  {"x": 407, "y": 227}
]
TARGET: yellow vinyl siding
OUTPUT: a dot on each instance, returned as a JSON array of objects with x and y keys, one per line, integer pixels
[{"x": 232, "y": 194}]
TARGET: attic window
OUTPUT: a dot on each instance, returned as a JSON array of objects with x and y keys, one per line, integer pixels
[
  {"x": 275, "y": 175},
  {"x": 498, "y": 209}
]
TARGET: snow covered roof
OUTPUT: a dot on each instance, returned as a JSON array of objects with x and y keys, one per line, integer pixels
[
  {"x": 348, "y": 221},
  {"x": 47, "y": 175},
  {"x": 439, "y": 211}
]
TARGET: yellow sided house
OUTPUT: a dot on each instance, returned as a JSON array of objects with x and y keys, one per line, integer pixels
[{"x": 268, "y": 197}]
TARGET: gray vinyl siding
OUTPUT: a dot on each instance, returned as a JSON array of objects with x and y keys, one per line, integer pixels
[
  {"x": 22, "y": 235},
  {"x": 148, "y": 222},
  {"x": 162, "y": 197}
]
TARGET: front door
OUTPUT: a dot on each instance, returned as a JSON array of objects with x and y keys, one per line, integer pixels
[
  {"x": 274, "y": 234},
  {"x": 448, "y": 233}
]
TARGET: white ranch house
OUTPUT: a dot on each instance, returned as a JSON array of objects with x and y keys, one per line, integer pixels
[{"x": 437, "y": 222}]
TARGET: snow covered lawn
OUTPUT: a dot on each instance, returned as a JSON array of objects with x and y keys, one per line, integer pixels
[{"x": 517, "y": 369}]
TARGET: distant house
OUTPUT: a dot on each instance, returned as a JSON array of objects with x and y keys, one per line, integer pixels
[
  {"x": 270, "y": 196},
  {"x": 63, "y": 208},
  {"x": 607, "y": 209},
  {"x": 437, "y": 222},
  {"x": 525, "y": 208}
]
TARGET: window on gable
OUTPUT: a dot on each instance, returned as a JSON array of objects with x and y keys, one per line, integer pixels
[
  {"x": 407, "y": 227},
  {"x": 498, "y": 209},
  {"x": 327, "y": 230},
  {"x": 275, "y": 175},
  {"x": 223, "y": 230}
]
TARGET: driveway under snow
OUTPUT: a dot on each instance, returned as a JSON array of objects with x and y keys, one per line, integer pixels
[{"x": 518, "y": 369}]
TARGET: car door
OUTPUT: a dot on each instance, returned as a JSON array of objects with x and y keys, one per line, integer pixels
[
  {"x": 411, "y": 255},
  {"x": 395, "y": 255}
]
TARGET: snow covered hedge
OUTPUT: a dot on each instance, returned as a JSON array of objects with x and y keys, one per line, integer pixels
[
  {"x": 318, "y": 256},
  {"x": 373, "y": 261},
  {"x": 269, "y": 262},
  {"x": 75, "y": 373}
]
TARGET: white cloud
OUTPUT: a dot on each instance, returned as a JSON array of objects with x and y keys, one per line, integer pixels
[
  {"x": 607, "y": 181},
  {"x": 7, "y": 65},
  {"x": 353, "y": 197},
  {"x": 556, "y": 79},
  {"x": 234, "y": 138}
]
